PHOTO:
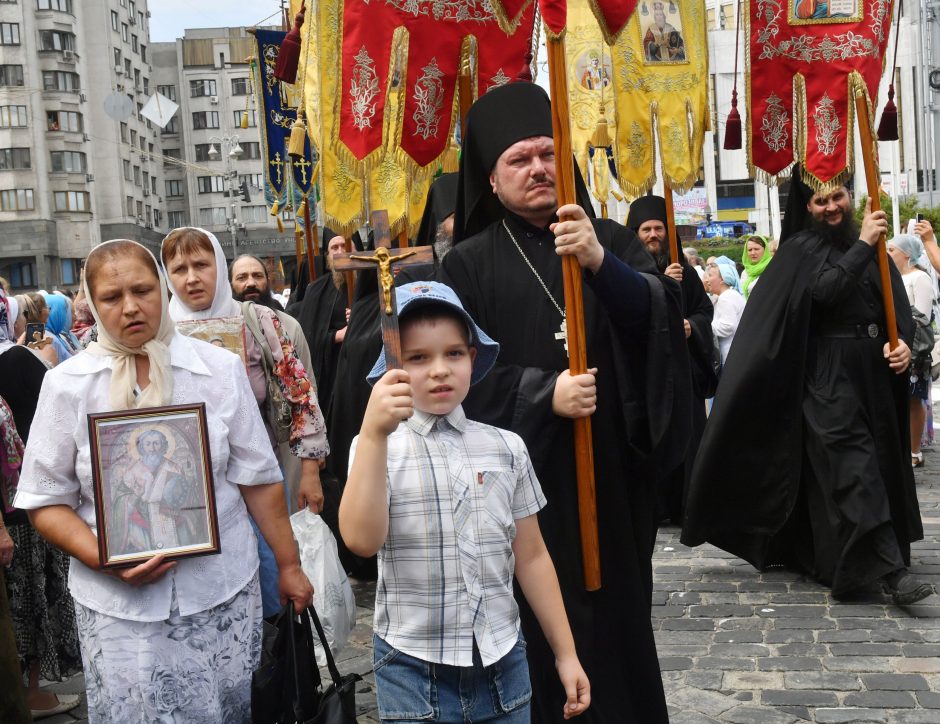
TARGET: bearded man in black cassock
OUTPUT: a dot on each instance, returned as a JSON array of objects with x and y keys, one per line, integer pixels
[
  {"x": 815, "y": 407},
  {"x": 505, "y": 267},
  {"x": 647, "y": 217},
  {"x": 322, "y": 316}
]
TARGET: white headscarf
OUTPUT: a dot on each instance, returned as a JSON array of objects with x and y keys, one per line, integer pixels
[
  {"x": 223, "y": 303},
  {"x": 123, "y": 369}
]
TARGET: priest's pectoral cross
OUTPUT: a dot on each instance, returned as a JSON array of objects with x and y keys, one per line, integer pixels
[
  {"x": 383, "y": 259},
  {"x": 562, "y": 334},
  {"x": 278, "y": 164}
]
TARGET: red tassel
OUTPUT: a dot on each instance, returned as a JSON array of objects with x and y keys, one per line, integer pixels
[
  {"x": 888, "y": 127},
  {"x": 525, "y": 72},
  {"x": 733, "y": 125},
  {"x": 288, "y": 57}
]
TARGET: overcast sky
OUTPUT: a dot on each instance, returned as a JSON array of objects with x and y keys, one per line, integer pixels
[{"x": 169, "y": 18}]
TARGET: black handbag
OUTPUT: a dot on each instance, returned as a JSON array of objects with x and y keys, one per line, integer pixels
[{"x": 286, "y": 688}]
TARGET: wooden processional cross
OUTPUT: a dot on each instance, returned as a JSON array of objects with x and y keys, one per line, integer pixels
[{"x": 383, "y": 259}]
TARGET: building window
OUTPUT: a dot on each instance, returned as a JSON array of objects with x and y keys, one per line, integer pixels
[
  {"x": 22, "y": 274},
  {"x": 114, "y": 21},
  {"x": 175, "y": 219},
  {"x": 239, "y": 86},
  {"x": 153, "y": 184},
  {"x": 143, "y": 52},
  {"x": 123, "y": 132},
  {"x": 172, "y": 127},
  {"x": 136, "y": 78},
  {"x": 174, "y": 189},
  {"x": 13, "y": 117},
  {"x": 167, "y": 90},
  {"x": 128, "y": 69},
  {"x": 140, "y": 209},
  {"x": 201, "y": 88},
  {"x": 205, "y": 119},
  {"x": 9, "y": 34},
  {"x": 129, "y": 205},
  {"x": 16, "y": 200},
  {"x": 252, "y": 118},
  {"x": 254, "y": 214},
  {"x": 64, "y": 6},
  {"x": 127, "y": 170},
  {"x": 157, "y": 218},
  {"x": 56, "y": 40},
  {"x": 202, "y": 151},
  {"x": 252, "y": 179},
  {"x": 14, "y": 159},
  {"x": 68, "y": 162},
  {"x": 135, "y": 44},
  {"x": 72, "y": 201},
  {"x": 11, "y": 75},
  {"x": 124, "y": 32},
  {"x": 64, "y": 121},
  {"x": 210, "y": 184},
  {"x": 71, "y": 271},
  {"x": 60, "y": 80},
  {"x": 212, "y": 217},
  {"x": 251, "y": 150},
  {"x": 137, "y": 175}
]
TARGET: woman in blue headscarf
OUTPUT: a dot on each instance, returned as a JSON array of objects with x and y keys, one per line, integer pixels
[
  {"x": 59, "y": 325},
  {"x": 907, "y": 251},
  {"x": 722, "y": 280}
]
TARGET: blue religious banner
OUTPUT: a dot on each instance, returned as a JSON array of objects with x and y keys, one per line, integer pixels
[{"x": 287, "y": 180}]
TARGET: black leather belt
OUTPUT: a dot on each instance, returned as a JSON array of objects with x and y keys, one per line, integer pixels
[{"x": 852, "y": 331}]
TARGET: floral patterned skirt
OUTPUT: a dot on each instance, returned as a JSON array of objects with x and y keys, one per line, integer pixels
[
  {"x": 41, "y": 606},
  {"x": 195, "y": 669}
]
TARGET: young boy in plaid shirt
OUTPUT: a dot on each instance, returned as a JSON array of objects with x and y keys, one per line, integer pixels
[{"x": 450, "y": 507}]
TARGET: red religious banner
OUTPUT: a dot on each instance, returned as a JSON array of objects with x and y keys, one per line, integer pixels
[
  {"x": 807, "y": 59},
  {"x": 426, "y": 60},
  {"x": 611, "y": 15}
]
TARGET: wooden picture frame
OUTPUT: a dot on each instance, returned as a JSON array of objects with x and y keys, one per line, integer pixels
[
  {"x": 225, "y": 332},
  {"x": 153, "y": 484}
]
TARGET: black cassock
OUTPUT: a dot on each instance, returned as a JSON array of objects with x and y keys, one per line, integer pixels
[
  {"x": 698, "y": 309},
  {"x": 641, "y": 393},
  {"x": 804, "y": 460},
  {"x": 322, "y": 314}
]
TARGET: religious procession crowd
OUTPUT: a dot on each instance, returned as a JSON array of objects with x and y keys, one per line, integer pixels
[{"x": 452, "y": 479}]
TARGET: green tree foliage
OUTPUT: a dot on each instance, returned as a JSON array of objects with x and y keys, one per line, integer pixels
[{"x": 908, "y": 208}]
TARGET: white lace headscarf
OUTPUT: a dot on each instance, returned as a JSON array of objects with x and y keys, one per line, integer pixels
[
  {"x": 223, "y": 303},
  {"x": 123, "y": 368}
]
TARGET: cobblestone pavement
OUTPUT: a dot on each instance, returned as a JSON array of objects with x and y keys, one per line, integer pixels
[{"x": 740, "y": 646}]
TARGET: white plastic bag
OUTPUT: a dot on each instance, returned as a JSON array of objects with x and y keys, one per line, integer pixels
[{"x": 333, "y": 595}]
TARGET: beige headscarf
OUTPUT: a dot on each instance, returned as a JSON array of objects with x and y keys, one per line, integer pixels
[{"x": 123, "y": 370}]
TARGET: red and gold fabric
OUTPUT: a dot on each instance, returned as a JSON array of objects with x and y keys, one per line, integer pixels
[
  {"x": 806, "y": 61},
  {"x": 380, "y": 86},
  {"x": 611, "y": 15}
]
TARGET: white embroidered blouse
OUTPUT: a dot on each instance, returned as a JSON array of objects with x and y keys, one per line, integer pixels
[{"x": 57, "y": 471}]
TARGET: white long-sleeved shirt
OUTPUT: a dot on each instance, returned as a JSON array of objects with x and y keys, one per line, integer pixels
[
  {"x": 728, "y": 310},
  {"x": 57, "y": 470}
]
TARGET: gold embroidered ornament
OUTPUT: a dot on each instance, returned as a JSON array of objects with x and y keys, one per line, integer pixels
[{"x": 660, "y": 81}]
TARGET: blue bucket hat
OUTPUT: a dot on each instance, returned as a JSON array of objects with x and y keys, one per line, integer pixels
[{"x": 413, "y": 295}]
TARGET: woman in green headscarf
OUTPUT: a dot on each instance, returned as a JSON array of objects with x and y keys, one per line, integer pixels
[{"x": 756, "y": 257}]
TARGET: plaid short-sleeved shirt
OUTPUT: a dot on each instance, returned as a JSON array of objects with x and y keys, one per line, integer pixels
[{"x": 455, "y": 489}]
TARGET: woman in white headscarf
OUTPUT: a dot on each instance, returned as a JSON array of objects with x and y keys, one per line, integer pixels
[
  {"x": 721, "y": 279},
  {"x": 197, "y": 275},
  {"x": 162, "y": 640},
  {"x": 907, "y": 251}
]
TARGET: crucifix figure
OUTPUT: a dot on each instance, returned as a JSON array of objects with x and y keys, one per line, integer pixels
[{"x": 385, "y": 261}]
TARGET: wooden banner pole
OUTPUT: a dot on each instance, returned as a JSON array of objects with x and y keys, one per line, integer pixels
[
  {"x": 574, "y": 316},
  {"x": 872, "y": 177},
  {"x": 671, "y": 225}
]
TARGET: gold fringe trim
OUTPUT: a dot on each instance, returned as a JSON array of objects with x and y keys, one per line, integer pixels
[
  {"x": 508, "y": 25},
  {"x": 609, "y": 37}
]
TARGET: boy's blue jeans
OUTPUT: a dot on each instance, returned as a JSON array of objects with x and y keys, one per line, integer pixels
[{"x": 409, "y": 689}]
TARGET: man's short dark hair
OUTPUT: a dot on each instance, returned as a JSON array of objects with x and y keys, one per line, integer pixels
[{"x": 433, "y": 311}]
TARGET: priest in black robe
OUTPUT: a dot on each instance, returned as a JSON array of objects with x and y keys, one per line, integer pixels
[
  {"x": 815, "y": 410},
  {"x": 505, "y": 268},
  {"x": 322, "y": 317},
  {"x": 647, "y": 217}
]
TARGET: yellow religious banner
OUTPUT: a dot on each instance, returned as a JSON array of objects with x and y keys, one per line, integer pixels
[
  {"x": 590, "y": 88},
  {"x": 660, "y": 80}
]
